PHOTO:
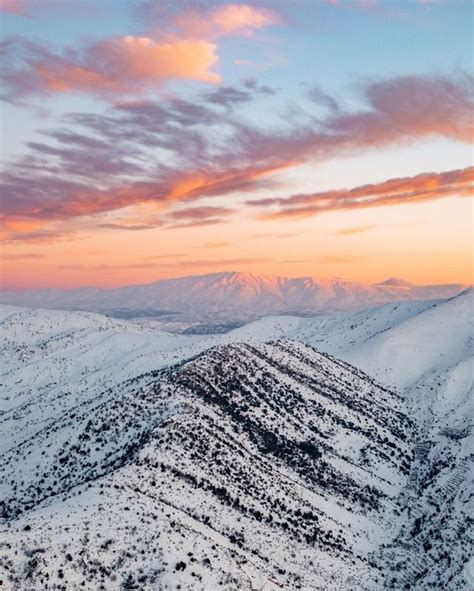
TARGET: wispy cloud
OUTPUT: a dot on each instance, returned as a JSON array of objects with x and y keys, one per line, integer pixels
[
  {"x": 416, "y": 189},
  {"x": 37, "y": 236},
  {"x": 198, "y": 216},
  {"x": 192, "y": 263},
  {"x": 128, "y": 227},
  {"x": 354, "y": 230},
  {"x": 118, "y": 66},
  {"x": 170, "y": 255},
  {"x": 179, "y": 151},
  {"x": 25, "y": 256}
]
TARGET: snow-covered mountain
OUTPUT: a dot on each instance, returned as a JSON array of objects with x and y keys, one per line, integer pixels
[
  {"x": 248, "y": 465},
  {"x": 133, "y": 458},
  {"x": 230, "y": 296},
  {"x": 426, "y": 351}
]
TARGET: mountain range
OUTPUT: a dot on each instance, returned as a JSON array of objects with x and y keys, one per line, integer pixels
[
  {"x": 230, "y": 297},
  {"x": 138, "y": 459}
]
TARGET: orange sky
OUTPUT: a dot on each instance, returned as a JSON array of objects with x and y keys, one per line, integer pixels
[
  {"x": 424, "y": 244},
  {"x": 200, "y": 140}
]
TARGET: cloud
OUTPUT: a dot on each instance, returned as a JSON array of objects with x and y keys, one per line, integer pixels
[
  {"x": 230, "y": 96},
  {"x": 321, "y": 98},
  {"x": 226, "y": 19},
  {"x": 117, "y": 66},
  {"x": 129, "y": 227},
  {"x": 274, "y": 235},
  {"x": 16, "y": 7},
  {"x": 413, "y": 106},
  {"x": 36, "y": 237},
  {"x": 166, "y": 153},
  {"x": 227, "y": 96},
  {"x": 21, "y": 256},
  {"x": 234, "y": 17},
  {"x": 51, "y": 198},
  {"x": 198, "y": 216},
  {"x": 171, "y": 255},
  {"x": 353, "y": 230},
  {"x": 129, "y": 66},
  {"x": 104, "y": 267},
  {"x": 416, "y": 189},
  {"x": 177, "y": 264}
]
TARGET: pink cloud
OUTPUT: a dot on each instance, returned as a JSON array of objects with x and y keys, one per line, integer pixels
[
  {"x": 227, "y": 19},
  {"x": 415, "y": 106},
  {"x": 103, "y": 163},
  {"x": 416, "y": 189},
  {"x": 117, "y": 66},
  {"x": 17, "y": 7},
  {"x": 198, "y": 216},
  {"x": 130, "y": 65},
  {"x": 353, "y": 230},
  {"x": 235, "y": 17}
]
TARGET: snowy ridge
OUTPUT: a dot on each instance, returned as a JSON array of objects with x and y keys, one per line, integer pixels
[
  {"x": 91, "y": 407},
  {"x": 259, "y": 460},
  {"x": 426, "y": 350},
  {"x": 231, "y": 296}
]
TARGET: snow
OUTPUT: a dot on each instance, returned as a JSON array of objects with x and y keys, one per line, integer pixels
[
  {"x": 230, "y": 296},
  {"x": 214, "y": 457},
  {"x": 95, "y": 410}
]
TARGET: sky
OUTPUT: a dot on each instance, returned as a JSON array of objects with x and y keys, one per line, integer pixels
[{"x": 146, "y": 139}]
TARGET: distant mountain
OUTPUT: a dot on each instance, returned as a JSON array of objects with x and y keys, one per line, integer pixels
[
  {"x": 248, "y": 466},
  {"x": 230, "y": 296},
  {"x": 397, "y": 282}
]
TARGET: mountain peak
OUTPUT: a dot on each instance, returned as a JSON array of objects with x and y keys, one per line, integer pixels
[
  {"x": 396, "y": 282},
  {"x": 233, "y": 295}
]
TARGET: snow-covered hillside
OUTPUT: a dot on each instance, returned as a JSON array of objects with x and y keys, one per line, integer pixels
[
  {"x": 54, "y": 359},
  {"x": 425, "y": 350},
  {"x": 247, "y": 466},
  {"x": 120, "y": 442},
  {"x": 230, "y": 296}
]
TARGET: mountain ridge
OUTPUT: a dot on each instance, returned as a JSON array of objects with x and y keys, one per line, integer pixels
[
  {"x": 63, "y": 369},
  {"x": 231, "y": 296},
  {"x": 217, "y": 466}
]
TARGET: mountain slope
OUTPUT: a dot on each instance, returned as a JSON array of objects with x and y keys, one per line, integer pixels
[
  {"x": 53, "y": 360},
  {"x": 428, "y": 354},
  {"x": 425, "y": 349},
  {"x": 241, "y": 467},
  {"x": 63, "y": 368},
  {"x": 230, "y": 296}
]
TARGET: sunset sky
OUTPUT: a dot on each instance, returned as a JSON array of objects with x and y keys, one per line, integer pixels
[{"x": 144, "y": 139}]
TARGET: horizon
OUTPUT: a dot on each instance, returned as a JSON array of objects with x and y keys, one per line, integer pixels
[
  {"x": 397, "y": 281},
  {"x": 173, "y": 139}
]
